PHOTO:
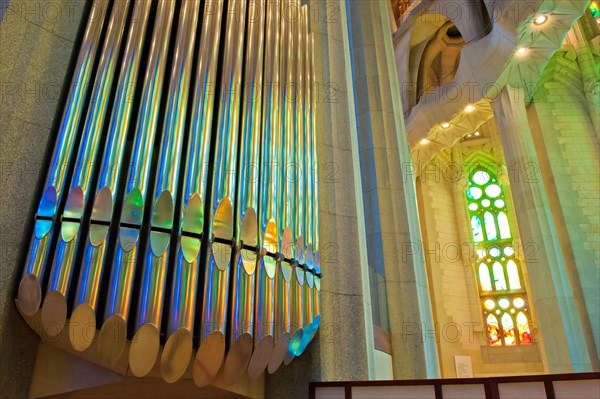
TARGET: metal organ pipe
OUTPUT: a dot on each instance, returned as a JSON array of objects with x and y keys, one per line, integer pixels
[
  {"x": 83, "y": 319},
  {"x": 221, "y": 224},
  {"x": 113, "y": 335},
  {"x": 250, "y": 296},
  {"x": 269, "y": 184},
  {"x": 285, "y": 194},
  {"x": 299, "y": 277},
  {"x": 243, "y": 273},
  {"x": 30, "y": 288},
  {"x": 178, "y": 348},
  {"x": 146, "y": 341},
  {"x": 54, "y": 309}
]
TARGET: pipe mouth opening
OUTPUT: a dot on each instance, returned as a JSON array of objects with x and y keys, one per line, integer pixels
[
  {"x": 281, "y": 348},
  {"x": 54, "y": 314},
  {"x": 209, "y": 359},
  {"x": 237, "y": 359},
  {"x": 260, "y": 358},
  {"x": 143, "y": 351},
  {"x": 176, "y": 355},
  {"x": 29, "y": 294},
  {"x": 82, "y": 327},
  {"x": 112, "y": 339}
]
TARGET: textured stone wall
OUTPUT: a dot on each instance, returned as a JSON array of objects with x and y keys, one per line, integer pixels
[{"x": 36, "y": 42}]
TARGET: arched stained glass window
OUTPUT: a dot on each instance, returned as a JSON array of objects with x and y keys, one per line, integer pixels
[
  {"x": 523, "y": 327},
  {"x": 499, "y": 280},
  {"x": 503, "y": 225},
  {"x": 508, "y": 330},
  {"x": 484, "y": 278},
  {"x": 477, "y": 230},
  {"x": 490, "y": 226},
  {"x": 513, "y": 275},
  {"x": 503, "y": 297}
]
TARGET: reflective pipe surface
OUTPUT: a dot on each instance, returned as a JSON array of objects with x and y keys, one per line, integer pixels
[
  {"x": 177, "y": 351},
  {"x": 217, "y": 272},
  {"x": 30, "y": 289},
  {"x": 113, "y": 335},
  {"x": 297, "y": 286},
  {"x": 286, "y": 193},
  {"x": 146, "y": 340},
  {"x": 83, "y": 319},
  {"x": 271, "y": 135},
  {"x": 311, "y": 322},
  {"x": 316, "y": 256},
  {"x": 54, "y": 309},
  {"x": 243, "y": 273}
]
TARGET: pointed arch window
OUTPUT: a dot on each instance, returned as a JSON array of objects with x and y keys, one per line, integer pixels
[{"x": 502, "y": 293}]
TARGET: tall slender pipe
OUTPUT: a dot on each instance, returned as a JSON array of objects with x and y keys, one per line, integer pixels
[
  {"x": 54, "y": 309},
  {"x": 316, "y": 256},
  {"x": 146, "y": 341},
  {"x": 221, "y": 228},
  {"x": 30, "y": 287},
  {"x": 312, "y": 280},
  {"x": 285, "y": 195},
  {"x": 177, "y": 351},
  {"x": 83, "y": 319},
  {"x": 241, "y": 315},
  {"x": 298, "y": 297},
  {"x": 113, "y": 335},
  {"x": 269, "y": 185}
]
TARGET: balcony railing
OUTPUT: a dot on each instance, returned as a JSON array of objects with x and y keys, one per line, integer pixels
[{"x": 549, "y": 386}]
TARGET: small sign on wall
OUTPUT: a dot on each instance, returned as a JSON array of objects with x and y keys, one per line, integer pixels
[{"x": 464, "y": 368}]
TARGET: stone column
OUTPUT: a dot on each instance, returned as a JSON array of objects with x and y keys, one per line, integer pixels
[
  {"x": 343, "y": 348},
  {"x": 556, "y": 309},
  {"x": 393, "y": 232}
]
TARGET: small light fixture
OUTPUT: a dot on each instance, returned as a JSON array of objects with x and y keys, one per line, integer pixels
[
  {"x": 476, "y": 133},
  {"x": 540, "y": 20},
  {"x": 469, "y": 135},
  {"x": 522, "y": 50},
  {"x": 424, "y": 141},
  {"x": 445, "y": 125},
  {"x": 470, "y": 108}
]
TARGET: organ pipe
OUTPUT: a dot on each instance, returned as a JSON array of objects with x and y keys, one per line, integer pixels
[
  {"x": 179, "y": 345},
  {"x": 83, "y": 319},
  {"x": 243, "y": 271},
  {"x": 214, "y": 221},
  {"x": 30, "y": 287},
  {"x": 146, "y": 341},
  {"x": 269, "y": 186},
  {"x": 54, "y": 310},
  {"x": 223, "y": 183},
  {"x": 113, "y": 334}
]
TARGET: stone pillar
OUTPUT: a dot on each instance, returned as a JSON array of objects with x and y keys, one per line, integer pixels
[
  {"x": 343, "y": 348},
  {"x": 36, "y": 43},
  {"x": 557, "y": 311},
  {"x": 393, "y": 233}
]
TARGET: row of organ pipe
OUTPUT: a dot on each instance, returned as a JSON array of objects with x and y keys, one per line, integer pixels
[{"x": 180, "y": 209}]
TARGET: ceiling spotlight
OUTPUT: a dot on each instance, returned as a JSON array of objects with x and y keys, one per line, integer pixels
[
  {"x": 469, "y": 135},
  {"x": 540, "y": 20},
  {"x": 470, "y": 108},
  {"x": 424, "y": 141},
  {"x": 522, "y": 50},
  {"x": 445, "y": 125},
  {"x": 476, "y": 133}
]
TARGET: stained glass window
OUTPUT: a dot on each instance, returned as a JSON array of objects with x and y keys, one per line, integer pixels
[{"x": 503, "y": 297}]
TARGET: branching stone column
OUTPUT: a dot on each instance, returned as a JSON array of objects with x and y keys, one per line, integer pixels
[
  {"x": 393, "y": 232},
  {"x": 556, "y": 309}
]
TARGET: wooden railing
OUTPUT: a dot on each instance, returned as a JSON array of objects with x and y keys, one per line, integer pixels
[{"x": 548, "y": 386}]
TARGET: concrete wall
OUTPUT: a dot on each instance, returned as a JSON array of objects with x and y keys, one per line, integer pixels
[{"x": 36, "y": 42}]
